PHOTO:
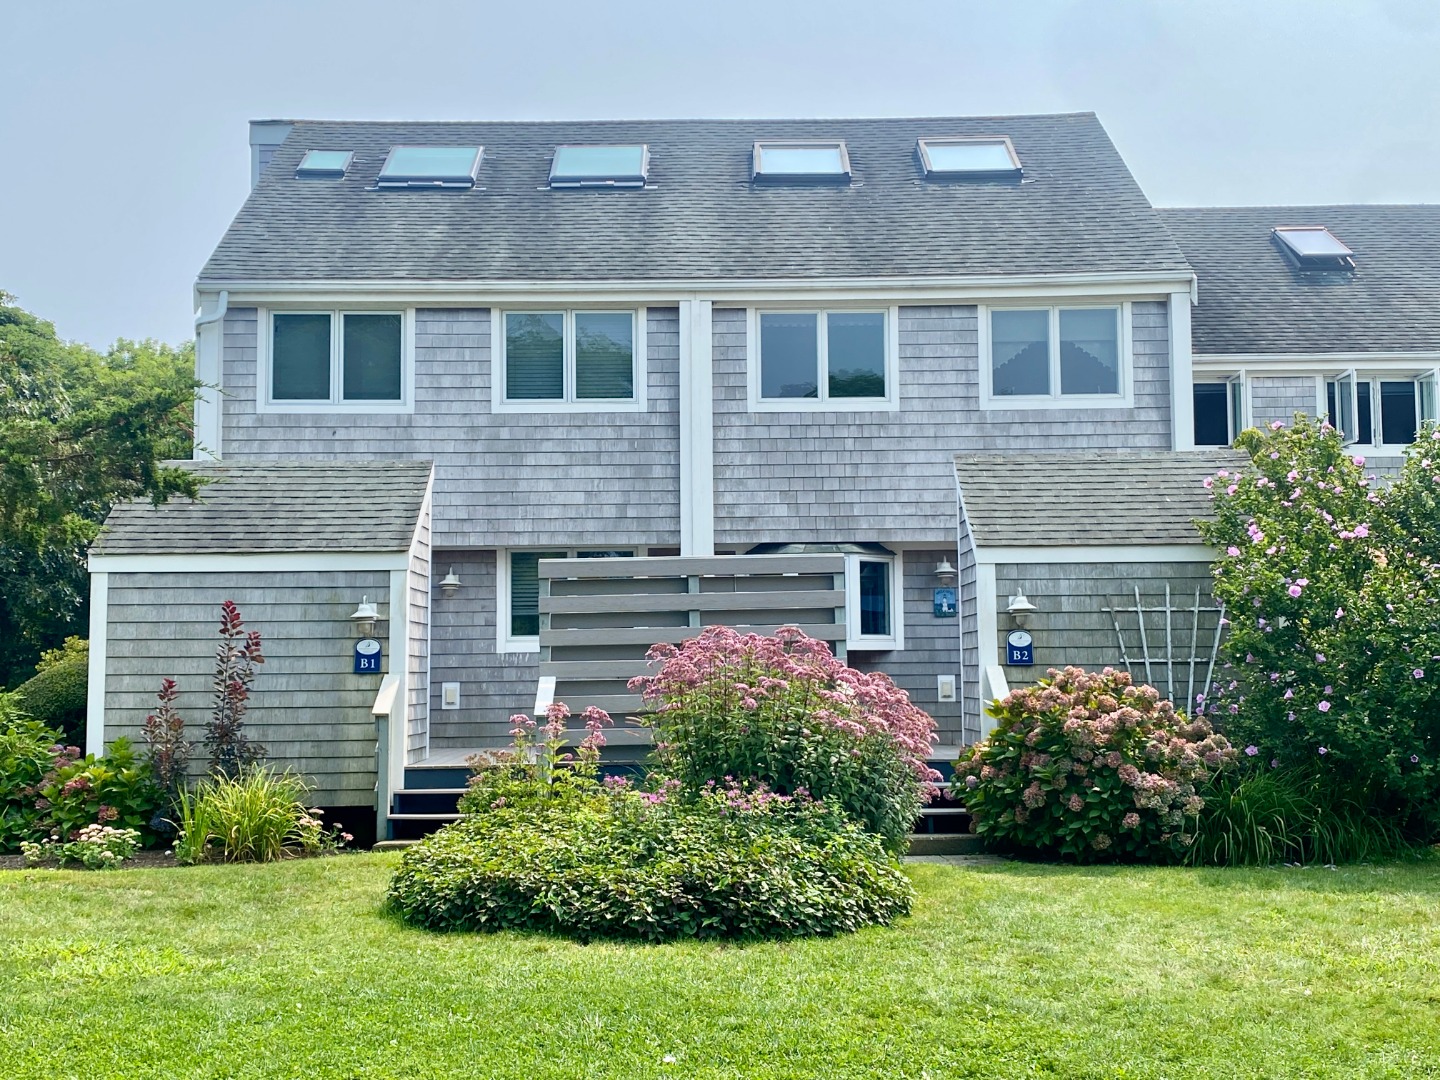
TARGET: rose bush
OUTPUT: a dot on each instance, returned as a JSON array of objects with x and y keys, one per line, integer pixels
[{"x": 1090, "y": 767}]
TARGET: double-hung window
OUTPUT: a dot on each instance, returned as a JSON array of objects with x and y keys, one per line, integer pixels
[
  {"x": 520, "y": 593},
  {"x": 873, "y": 603},
  {"x": 1055, "y": 357},
  {"x": 558, "y": 360},
  {"x": 335, "y": 359},
  {"x": 824, "y": 359}
]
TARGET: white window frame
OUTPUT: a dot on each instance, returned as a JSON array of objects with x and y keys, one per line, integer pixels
[
  {"x": 1237, "y": 402},
  {"x": 824, "y": 403},
  {"x": 505, "y": 642},
  {"x": 265, "y": 336},
  {"x": 1425, "y": 381},
  {"x": 893, "y": 641},
  {"x": 637, "y": 402},
  {"x": 1125, "y": 399}
]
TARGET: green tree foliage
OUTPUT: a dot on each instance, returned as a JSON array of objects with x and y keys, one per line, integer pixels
[{"x": 79, "y": 431}]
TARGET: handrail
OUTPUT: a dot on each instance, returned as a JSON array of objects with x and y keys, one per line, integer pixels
[
  {"x": 385, "y": 696},
  {"x": 381, "y": 710}
]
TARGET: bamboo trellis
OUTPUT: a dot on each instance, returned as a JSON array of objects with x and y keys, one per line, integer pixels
[{"x": 1190, "y": 660}]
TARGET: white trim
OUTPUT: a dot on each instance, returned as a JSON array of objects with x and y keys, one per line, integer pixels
[
  {"x": 264, "y": 334},
  {"x": 1377, "y": 367},
  {"x": 400, "y": 668},
  {"x": 230, "y": 562},
  {"x": 210, "y": 373},
  {"x": 697, "y": 428},
  {"x": 1309, "y": 361},
  {"x": 639, "y": 364},
  {"x": 427, "y": 517},
  {"x": 893, "y": 641},
  {"x": 922, "y": 288},
  {"x": 987, "y": 629},
  {"x": 95, "y": 673},
  {"x": 1125, "y": 399},
  {"x": 824, "y": 403},
  {"x": 1099, "y": 553},
  {"x": 1182, "y": 377}
]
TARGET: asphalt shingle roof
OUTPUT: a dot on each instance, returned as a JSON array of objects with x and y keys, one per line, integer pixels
[
  {"x": 277, "y": 506},
  {"x": 1078, "y": 209},
  {"x": 1077, "y": 499},
  {"x": 1254, "y": 300}
]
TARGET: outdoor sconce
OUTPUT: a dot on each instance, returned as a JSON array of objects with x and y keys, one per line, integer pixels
[
  {"x": 450, "y": 583},
  {"x": 945, "y": 573},
  {"x": 364, "y": 617},
  {"x": 1020, "y": 608}
]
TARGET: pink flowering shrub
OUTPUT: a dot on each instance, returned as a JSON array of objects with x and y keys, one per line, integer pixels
[
  {"x": 1089, "y": 767},
  {"x": 784, "y": 712},
  {"x": 537, "y": 769},
  {"x": 1332, "y": 585}
]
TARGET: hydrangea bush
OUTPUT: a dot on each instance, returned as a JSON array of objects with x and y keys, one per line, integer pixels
[
  {"x": 95, "y": 847},
  {"x": 1090, "y": 767},
  {"x": 1331, "y": 581},
  {"x": 785, "y": 712}
]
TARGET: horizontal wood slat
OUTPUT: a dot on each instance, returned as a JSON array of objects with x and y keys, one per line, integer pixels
[
  {"x": 737, "y": 601},
  {"x": 595, "y": 669},
  {"x": 674, "y": 566},
  {"x": 653, "y": 635}
]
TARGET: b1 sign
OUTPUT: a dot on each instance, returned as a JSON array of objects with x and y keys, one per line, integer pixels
[{"x": 367, "y": 657}]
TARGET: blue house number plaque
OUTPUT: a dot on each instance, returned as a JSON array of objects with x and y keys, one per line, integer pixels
[
  {"x": 1019, "y": 648},
  {"x": 945, "y": 604},
  {"x": 367, "y": 657}
]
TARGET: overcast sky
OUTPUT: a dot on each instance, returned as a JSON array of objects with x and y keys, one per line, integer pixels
[{"x": 123, "y": 140}]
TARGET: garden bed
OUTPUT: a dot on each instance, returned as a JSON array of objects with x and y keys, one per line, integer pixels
[{"x": 144, "y": 860}]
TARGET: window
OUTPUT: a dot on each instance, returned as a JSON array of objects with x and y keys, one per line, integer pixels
[
  {"x": 1314, "y": 247},
  {"x": 1219, "y": 411},
  {"x": 824, "y": 359},
  {"x": 972, "y": 156},
  {"x": 519, "y": 617},
  {"x": 813, "y": 161},
  {"x": 336, "y": 358},
  {"x": 599, "y": 166},
  {"x": 430, "y": 167},
  {"x": 575, "y": 359},
  {"x": 1380, "y": 411},
  {"x": 1045, "y": 357},
  {"x": 324, "y": 164},
  {"x": 873, "y": 602}
]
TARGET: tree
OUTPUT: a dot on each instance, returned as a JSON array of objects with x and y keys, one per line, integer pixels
[{"x": 79, "y": 431}]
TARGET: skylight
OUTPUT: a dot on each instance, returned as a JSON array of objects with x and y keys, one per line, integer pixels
[
  {"x": 430, "y": 166},
  {"x": 599, "y": 166},
  {"x": 1314, "y": 247},
  {"x": 324, "y": 164},
  {"x": 969, "y": 156},
  {"x": 815, "y": 161}
]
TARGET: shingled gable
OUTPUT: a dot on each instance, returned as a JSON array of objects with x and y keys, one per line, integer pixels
[
  {"x": 699, "y": 217},
  {"x": 1087, "y": 499},
  {"x": 264, "y": 507}
]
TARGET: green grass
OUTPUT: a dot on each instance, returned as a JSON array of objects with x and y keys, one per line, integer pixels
[{"x": 291, "y": 970}]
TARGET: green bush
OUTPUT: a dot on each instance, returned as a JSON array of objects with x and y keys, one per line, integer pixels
[
  {"x": 28, "y": 751},
  {"x": 114, "y": 790},
  {"x": 95, "y": 847},
  {"x": 1090, "y": 767},
  {"x": 258, "y": 816},
  {"x": 1261, "y": 817},
  {"x": 615, "y": 862},
  {"x": 56, "y": 694}
]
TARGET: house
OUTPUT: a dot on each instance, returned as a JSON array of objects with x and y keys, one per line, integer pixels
[{"x": 511, "y": 401}]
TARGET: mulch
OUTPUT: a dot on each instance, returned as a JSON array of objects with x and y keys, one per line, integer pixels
[{"x": 143, "y": 860}]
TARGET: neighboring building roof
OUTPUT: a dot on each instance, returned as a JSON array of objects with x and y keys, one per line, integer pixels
[
  {"x": 1083, "y": 499},
  {"x": 1253, "y": 298},
  {"x": 277, "y": 506},
  {"x": 699, "y": 217}
]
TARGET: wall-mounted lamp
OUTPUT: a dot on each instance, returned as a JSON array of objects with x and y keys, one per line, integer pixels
[
  {"x": 450, "y": 583},
  {"x": 364, "y": 617},
  {"x": 1020, "y": 608},
  {"x": 945, "y": 573}
]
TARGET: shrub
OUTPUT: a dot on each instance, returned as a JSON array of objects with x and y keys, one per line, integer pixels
[
  {"x": 536, "y": 771},
  {"x": 95, "y": 847},
  {"x": 28, "y": 751},
  {"x": 1332, "y": 584},
  {"x": 1090, "y": 767},
  {"x": 1260, "y": 817},
  {"x": 609, "y": 861},
  {"x": 164, "y": 735},
  {"x": 56, "y": 695},
  {"x": 113, "y": 790},
  {"x": 258, "y": 816},
  {"x": 231, "y": 751},
  {"x": 783, "y": 711}
]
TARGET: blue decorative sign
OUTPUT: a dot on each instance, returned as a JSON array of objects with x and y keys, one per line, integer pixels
[
  {"x": 1019, "y": 649},
  {"x": 946, "y": 604},
  {"x": 367, "y": 657}
]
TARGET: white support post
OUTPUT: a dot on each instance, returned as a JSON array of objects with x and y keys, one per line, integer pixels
[
  {"x": 1182, "y": 374},
  {"x": 697, "y": 429},
  {"x": 95, "y": 686},
  {"x": 987, "y": 610}
]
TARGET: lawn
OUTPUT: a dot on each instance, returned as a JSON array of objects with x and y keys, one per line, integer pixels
[{"x": 292, "y": 970}]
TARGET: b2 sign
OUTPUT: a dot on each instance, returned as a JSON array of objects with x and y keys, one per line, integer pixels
[
  {"x": 1019, "y": 649},
  {"x": 367, "y": 657}
]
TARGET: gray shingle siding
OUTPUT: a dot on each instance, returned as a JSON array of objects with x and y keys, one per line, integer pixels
[
  {"x": 603, "y": 478},
  {"x": 1276, "y": 397}
]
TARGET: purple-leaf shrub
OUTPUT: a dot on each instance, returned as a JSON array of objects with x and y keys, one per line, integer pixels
[
  {"x": 164, "y": 734},
  {"x": 1090, "y": 767},
  {"x": 784, "y": 712},
  {"x": 1332, "y": 584},
  {"x": 231, "y": 750}
]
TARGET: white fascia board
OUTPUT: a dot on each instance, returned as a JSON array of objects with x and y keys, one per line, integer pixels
[
  {"x": 1098, "y": 553},
  {"x": 228, "y": 562},
  {"x": 1307, "y": 363},
  {"x": 95, "y": 675},
  {"x": 911, "y": 290}
]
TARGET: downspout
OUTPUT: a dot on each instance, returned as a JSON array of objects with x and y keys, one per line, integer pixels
[{"x": 209, "y": 348}]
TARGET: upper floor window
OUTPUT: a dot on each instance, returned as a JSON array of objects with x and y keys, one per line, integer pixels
[
  {"x": 324, "y": 164},
  {"x": 570, "y": 360},
  {"x": 824, "y": 359},
  {"x": 1381, "y": 411},
  {"x": 969, "y": 156},
  {"x": 430, "y": 167},
  {"x": 806, "y": 160},
  {"x": 335, "y": 358},
  {"x": 1219, "y": 411},
  {"x": 1055, "y": 357},
  {"x": 599, "y": 166}
]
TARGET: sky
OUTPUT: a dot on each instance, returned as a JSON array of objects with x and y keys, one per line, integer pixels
[{"x": 124, "y": 147}]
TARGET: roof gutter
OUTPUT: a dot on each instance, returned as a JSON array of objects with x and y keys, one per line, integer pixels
[{"x": 209, "y": 373}]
